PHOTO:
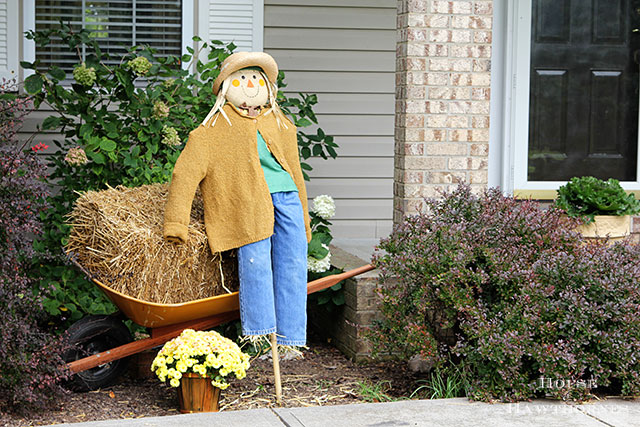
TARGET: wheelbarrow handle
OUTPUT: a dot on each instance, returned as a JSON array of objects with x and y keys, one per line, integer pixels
[{"x": 328, "y": 281}]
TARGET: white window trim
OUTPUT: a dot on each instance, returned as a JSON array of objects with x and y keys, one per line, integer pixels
[
  {"x": 28, "y": 23},
  {"x": 188, "y": 28},
  {"x": 508, "y": 153}
]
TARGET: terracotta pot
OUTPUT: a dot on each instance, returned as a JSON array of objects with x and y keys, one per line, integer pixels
[
  {"x": 613, "y": 227},
  {"x": 197, "y": 394}
]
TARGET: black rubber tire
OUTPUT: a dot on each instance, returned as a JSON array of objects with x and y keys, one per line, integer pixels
[{"x": 91, "y": 335}]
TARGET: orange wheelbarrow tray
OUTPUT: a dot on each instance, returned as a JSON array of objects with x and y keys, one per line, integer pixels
[{"x": 167, "y": 321}]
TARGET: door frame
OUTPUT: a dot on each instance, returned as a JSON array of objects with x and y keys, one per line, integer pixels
[{"x": 510, "y": 83}]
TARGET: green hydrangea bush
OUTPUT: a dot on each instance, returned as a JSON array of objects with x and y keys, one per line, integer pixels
[
  {"x": 125, "y": 124},
  {"x": 506, "y": 294}
]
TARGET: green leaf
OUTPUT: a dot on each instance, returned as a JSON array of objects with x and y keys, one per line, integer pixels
[
  {"x": 111, "y": 126},
  {"x": 57, "y": 73},
  {"x": 324, "y": 238},
  {"x": 130, "y": 161},
  {"x": 323, "y": 298},
  {"x": 51, "y": 122},
  {"x": 315, "y": 249},
  {"x": 97, "y": 158},
  {"x": 317, "y": 150},
  {"x": 332, "y": 151},
  {"x": 92, "y": 143},
  {"x": 85, "y": 130},
  {"x": 107, "y": 145},
  {"x": 28, "y": 65},
  {"x": 51, "y": 306},
  {"x": 338, "y": 298},
  {"x": 142, "y": 136},
  {"x": 33, "y": 84},
  {"x": 303, "y": 123}
]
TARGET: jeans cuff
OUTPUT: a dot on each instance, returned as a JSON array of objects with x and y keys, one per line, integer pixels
[
  {"x": 292, "y": 343},
  {"x": 259, "y": 331}
]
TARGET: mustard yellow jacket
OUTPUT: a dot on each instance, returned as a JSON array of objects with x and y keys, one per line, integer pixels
[{"x": 223, "y": 160}]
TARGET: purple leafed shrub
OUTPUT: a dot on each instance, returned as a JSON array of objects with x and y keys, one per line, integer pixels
[
  {"x": 509, "y": 294},
  {"x": 29, "y": 357}
]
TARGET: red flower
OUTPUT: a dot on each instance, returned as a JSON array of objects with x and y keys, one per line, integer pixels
[{"x": 39, "y": 146}]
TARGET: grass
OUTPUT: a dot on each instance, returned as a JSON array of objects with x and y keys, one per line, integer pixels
[
  {"x": 443, "y": 384},
  {"x": 375, "y": 392}
]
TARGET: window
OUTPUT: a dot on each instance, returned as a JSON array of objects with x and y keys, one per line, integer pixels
[
  {"x": 567, "y": 74},
  {"x": 116, "y": 24}
]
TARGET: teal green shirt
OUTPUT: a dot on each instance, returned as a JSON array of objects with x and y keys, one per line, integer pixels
[{"x": 278, "y": 179}]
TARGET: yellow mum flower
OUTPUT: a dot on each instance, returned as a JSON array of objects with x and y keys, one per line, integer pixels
[{"x": 203, "y": 353}]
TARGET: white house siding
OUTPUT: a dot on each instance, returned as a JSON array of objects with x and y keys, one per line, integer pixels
[{"x": 344, "y": 51}]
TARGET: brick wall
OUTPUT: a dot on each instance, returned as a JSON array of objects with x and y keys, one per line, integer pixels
[
  {"x": 346, "y": 326},
  {"x": 442, "y": 98}
]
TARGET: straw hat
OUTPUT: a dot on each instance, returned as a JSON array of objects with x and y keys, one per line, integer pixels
[{"x": 240, "y": 60}]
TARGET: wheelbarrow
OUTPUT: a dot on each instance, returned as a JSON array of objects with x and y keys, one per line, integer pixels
[{"x": 106, "y": 341}]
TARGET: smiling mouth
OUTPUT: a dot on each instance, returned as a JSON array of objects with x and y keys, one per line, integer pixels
[{"x": 250, "y": 96}]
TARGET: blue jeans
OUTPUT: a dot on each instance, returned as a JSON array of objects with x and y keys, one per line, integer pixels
[{"x": 273, "y": 276}]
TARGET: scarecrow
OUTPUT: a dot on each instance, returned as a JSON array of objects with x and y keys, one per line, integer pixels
[{"x": 244, "y": 157}]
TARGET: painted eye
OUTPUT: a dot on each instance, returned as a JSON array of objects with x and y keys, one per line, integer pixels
[
  {"x": 242, "y": 77},
  {"x": 254, "y": 77},
  {"x": 235, "y": 82},
  {"x": 261, "y": 82}
]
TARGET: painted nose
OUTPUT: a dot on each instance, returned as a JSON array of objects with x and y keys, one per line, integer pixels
[{"x": 249, "y": 84}]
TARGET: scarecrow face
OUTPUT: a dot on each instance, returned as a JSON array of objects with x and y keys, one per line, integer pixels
[{"x": 247, "y": 88}]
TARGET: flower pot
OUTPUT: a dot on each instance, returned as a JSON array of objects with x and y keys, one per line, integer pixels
[
  {"x": 197, "y": 394},
  {"x": 607, "y": 226}
]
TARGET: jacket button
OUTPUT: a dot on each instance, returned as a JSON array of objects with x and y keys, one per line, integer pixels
[{"x": 255, "y": 121}]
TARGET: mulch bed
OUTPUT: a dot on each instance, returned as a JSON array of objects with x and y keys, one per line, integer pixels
[{"x": 323, "y": 377}]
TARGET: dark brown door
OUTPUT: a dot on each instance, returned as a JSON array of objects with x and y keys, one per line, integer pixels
[{"x": 583, "y": 111}]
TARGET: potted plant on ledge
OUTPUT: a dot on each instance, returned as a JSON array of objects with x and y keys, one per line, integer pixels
[
  {"x": 605, "y": 205},
  {"x": 198, "y": 363}
]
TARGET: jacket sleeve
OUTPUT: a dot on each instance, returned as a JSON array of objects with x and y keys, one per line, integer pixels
[{"x": 189, "y": 171}]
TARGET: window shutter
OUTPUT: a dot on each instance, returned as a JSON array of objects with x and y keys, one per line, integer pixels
[
  {"x": 116, "y": 24},
  {"x": 240, "y": 22},
  {"x": 9, "y": 39}
]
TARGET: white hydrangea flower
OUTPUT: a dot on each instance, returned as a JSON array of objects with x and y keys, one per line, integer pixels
[
  {"x": 324, "y": 206},
  {"x": 319, "y": 265}
]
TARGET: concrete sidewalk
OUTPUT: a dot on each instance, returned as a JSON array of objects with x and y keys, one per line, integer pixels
[{"x": 443, "y": 412}]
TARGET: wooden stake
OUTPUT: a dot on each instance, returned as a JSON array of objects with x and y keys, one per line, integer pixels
[{"x": 276, "y": 368}]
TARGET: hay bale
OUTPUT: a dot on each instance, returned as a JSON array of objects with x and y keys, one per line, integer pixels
[{"x": 117, "y": 236}]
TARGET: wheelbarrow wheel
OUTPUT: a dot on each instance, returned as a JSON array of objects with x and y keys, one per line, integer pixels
[{"x": 91, "y": 335}]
